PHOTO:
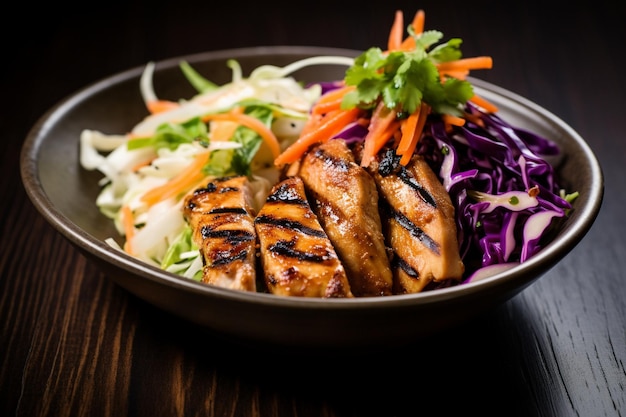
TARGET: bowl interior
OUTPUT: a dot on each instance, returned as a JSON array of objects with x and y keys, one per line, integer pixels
[{"x": 65, "y": 193}]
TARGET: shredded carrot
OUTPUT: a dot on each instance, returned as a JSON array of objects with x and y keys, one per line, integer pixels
[
  {"x": 179, "y": 184},
  {"x": 407, "y": 128},
  {"x": 459, "y": 75},
  {"x": 128, "y": 223},
  {"x": 418, "y": 27},
  {"x": 314, "y": 121},
  {"x": 453, "y": 120},
  {"x": 474, "y": 119},
  {"x": 418, "y": 22},
  {"x": 419, "y": 128},
  {"x": 159, "y": 106},
  {"x": 251, "y": 123},
  {"x": 328, "y": 126},
  {"x": 223, "y": 130},
  {"x": 379, "y": 132},
  {"x": 397, "y": 30},
  {"x": 331, "y": 100},
  {"x": 141, "y": 165},
  {"x": 478, "y": 62},
  {"x": 479, "y": 101}
]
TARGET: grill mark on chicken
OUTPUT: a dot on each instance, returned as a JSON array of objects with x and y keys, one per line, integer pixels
[
  {"x": 233, "y": 237},
  {"x": 405, "y": 267},
  {"x": 286, "y": 249},
  {"x": 419, "y": 223},
  {"x": 414, "y": 230},
  {"x": 289, "y": 224},
  {"x": 232, "y": 210},
  {"x": 222, "y": 220},
  {"x": 423, "y": 193},
  {"x": 297, "y": 257},
  {"x": 286, "y": 193},
  {"x": 345, "y": 199},
  {"x": 389, "y": 164}
]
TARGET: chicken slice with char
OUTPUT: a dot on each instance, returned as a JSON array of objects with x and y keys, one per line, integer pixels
[
  {"x": 297, "y": 257},
  {"x": 345, "y": 199},
  {"x": 420, "y": 225},
  {"x": 222, "y": 219}
]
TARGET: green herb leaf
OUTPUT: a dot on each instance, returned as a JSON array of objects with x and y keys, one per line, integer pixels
[
  {"x": 171, "y": 135},
  {"x": 403, "y": 79}
]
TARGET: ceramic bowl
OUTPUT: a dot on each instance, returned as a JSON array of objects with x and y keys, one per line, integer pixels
[{"x": 65, "y": 195}]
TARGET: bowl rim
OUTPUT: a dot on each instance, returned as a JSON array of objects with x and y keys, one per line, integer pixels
[{"x": 587, "y": 210}]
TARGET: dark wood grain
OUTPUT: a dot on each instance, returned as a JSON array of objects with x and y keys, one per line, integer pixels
[{"x": 72, "y": 343}]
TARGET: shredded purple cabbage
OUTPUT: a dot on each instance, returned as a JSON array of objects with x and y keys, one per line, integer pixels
[{"x": 495, "y": 159}]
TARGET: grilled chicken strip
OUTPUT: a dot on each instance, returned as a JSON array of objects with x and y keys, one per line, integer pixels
[
  {"x": 222, "y": 219},
  {"x": 345, "y": 200},
  {"x": 419, "y": 218},
  {"x": 297, "y": 257}
]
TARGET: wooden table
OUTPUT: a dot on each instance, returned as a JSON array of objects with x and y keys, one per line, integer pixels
[{"x": 72, "y": 343}]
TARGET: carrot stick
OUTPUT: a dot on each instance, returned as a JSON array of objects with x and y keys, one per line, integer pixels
[
  {"x": 479, "y": 101},
  {"x": 418, "y": 28},
  {"x": 407, "y": 127},
  {"x": 141, "y": 165},
  {"x": 128, "y": 222},
  {"x": 479, "y": 62},
  {"x": 459, "y": 75},
  {"x": 314, "y": 121},
  {"x": 251, "y": 123},
  {"x": 159, "y": 106},
  {"x": 453, "y": 120},
  {"x": 331, "y": 100},
  {"x": 418, "y": 22},
  {"x": 379, "y": 132},
  {"x": 329, "y": 126},
  {"x": 419, "y": 128},
  {"x": 179, "y": 184},
  {"x": 395, "y": 34}
]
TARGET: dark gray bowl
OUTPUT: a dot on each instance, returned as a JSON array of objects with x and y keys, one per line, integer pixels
[{"x": 65, "y": 195}]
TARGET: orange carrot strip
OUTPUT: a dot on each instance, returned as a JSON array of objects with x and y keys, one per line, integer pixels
[
  {"x": 478, "y": 62},
  {"x": 326, "y": 107},
  {"x": 479, "y": 101},
  {"x": 314, "y": 121},
  {"x": 395, "y": 34},
  {"x": 407, "y": 128},
  {"x": 128, "y": 223},
  {"x": 223, "y": 130},
  {"x": 333, "y": 95},
  {"x": 489, "y": 107},
  {"x": 418, "y": 27},
  {"x": 379, "y": 134},
  {"x": 331, "y": 100},
  {"x": 251, "y": 123},
  {"x": 474, "y": 119},
  {"x": 453, "y": 120},
  {"x": 418, "y": 22},
  {"x": 159, "y": 106},
  {"x": 423, "y": 114},
  {"x": 180, "y": 183},
  {"x": 329, "y": 126},
  {"x": 141, "y": 165},
  {"x": 459, "y": 75}
]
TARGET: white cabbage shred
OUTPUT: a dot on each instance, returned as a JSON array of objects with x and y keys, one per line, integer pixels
[{"x": 129, "y": 174}]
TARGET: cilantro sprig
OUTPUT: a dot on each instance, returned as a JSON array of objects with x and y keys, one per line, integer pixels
[{"x": 403, "y": 79}]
